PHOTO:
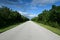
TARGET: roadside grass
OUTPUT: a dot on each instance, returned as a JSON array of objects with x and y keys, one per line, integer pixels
[
  {"x": 10, "y": 27},
  {"x": 55, "y": 30}
]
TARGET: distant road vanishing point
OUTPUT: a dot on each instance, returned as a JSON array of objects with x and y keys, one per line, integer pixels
[{"x": 29, "y": 31}]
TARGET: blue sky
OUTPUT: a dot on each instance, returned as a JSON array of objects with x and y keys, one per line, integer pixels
[{"x": 29, "y": 8}]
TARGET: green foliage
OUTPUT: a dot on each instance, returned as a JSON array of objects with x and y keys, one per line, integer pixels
[
  {"x": 34, "y": 19},
  {"x": 50, "y": 17},
  {"x": 9, "y": 17}
]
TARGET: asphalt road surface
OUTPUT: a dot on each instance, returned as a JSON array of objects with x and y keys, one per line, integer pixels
[{"x": 29, "y": 31}]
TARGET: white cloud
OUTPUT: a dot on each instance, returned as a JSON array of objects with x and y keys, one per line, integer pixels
[
  {"x": 28, "y": 15},
  {"x": 33, "y": 15},
  {"x": 33, "y": 8},
  {"x": 22, "y": 13},
  {"x": 0, "y": 6},
  {"x": 43, "y": 2}
]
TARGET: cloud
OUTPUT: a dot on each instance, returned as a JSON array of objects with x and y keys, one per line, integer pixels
[
  {"x": 13, "y": 0},
  {"x": 29, "y": 2},
  {"x": 28, "y": 15},
  {"x": 17, "y": 3},
  {"x": 32, "y": 6},
  {"x": 43, "y": 2},
  {"x": 32, "y": 15},
  {"x": 0, "y": 6}
]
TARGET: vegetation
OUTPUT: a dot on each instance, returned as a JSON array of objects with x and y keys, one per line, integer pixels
[
  {"x": 53, "y": 29},
  {"x": 50, "y": 17},
  {"x": 9, "y": 17}
]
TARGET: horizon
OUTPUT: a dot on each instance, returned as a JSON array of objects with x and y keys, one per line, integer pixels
[{"x": 29, "y": 8}]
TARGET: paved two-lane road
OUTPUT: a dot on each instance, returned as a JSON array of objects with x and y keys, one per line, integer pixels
[{"x": 29, "y": 31}]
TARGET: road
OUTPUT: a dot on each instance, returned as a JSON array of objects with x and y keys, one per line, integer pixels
[{"x": 29, "y": 31}]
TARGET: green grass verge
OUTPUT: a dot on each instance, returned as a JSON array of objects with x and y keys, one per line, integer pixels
[
  {"x": 55, "y": 30},
  {"x": 10, "y": 27}
]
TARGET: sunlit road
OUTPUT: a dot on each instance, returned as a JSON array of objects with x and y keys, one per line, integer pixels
[{"x": 29, "y": 31}]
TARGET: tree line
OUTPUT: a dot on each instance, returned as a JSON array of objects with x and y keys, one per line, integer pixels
[
  {"x": 9, "y": 17},
  {"x": 49, "y": 17}
]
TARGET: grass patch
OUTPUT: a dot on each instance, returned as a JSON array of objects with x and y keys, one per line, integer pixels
[
  {"x": 55, "y": 30},
  {"x": 10, "y": 27}
]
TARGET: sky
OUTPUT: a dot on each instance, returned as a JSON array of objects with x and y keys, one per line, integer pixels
[{"x": 29, "y": 8}]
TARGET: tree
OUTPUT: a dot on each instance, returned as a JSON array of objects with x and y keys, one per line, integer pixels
[
  {"x": 51, "y": 17},
  {"x": 9, "y": 17}
]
